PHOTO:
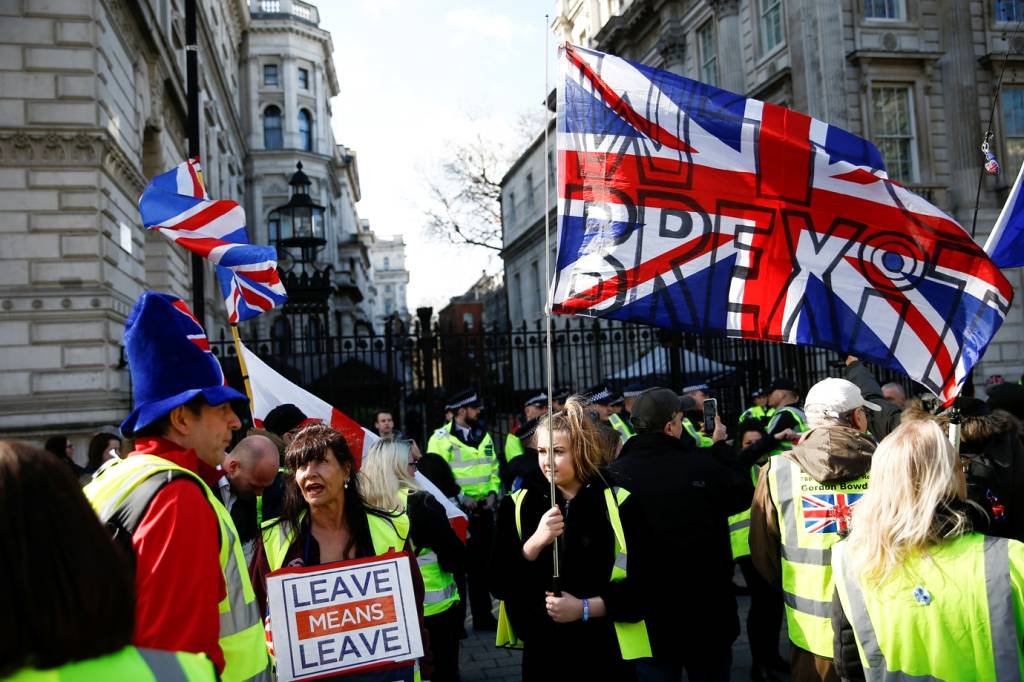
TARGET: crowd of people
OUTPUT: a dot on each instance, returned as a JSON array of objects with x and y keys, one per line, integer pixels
[{"x": 604, "y": 538}]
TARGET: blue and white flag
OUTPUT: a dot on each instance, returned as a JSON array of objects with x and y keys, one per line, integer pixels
[{"x": 1005, "y": 246}]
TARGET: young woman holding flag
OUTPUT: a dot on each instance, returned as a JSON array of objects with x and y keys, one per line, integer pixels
[{"x": 589, "y": 627}]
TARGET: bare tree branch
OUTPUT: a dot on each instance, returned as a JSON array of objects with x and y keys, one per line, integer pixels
[{"x": 466, "y": 194}]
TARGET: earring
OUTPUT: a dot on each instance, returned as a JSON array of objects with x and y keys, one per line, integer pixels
[{"x": 346, "y": 484}]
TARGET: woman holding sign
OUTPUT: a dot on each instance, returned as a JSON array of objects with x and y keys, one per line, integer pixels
[
  {"x": 324, "y": 519},
  {"x": 387, "y": 482},
  {"x": 588, "y": 629}
]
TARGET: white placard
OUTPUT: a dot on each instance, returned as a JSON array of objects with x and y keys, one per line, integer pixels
[{"x": 343, "y": 617}]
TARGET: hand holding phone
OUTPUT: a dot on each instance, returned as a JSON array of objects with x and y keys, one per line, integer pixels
[{"x": 710, "y": 412}]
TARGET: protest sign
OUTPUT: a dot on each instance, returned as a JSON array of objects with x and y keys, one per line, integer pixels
[{"x": 343, "y": 617}]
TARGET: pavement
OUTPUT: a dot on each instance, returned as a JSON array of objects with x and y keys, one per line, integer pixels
[{"x": 479, "y": 659}]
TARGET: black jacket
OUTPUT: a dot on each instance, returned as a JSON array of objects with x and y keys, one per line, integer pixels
[
  {"x": 881, "y": 424},
  {"x": 680, "y": 560},
  {"x": 429, "y": 528},
  {"x": 587, "y": 553}
]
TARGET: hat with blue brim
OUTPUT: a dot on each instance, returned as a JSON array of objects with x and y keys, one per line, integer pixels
[{"x": 170, "y": 361}]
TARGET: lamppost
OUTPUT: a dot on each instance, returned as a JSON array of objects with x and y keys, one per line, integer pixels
[{"x": 299, "y": 224}]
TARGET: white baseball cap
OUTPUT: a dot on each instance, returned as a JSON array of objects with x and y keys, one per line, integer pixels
[{"x": 834, "y": 397}]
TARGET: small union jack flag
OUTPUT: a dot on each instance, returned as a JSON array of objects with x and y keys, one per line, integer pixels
[
  {"x": 828, "y": 512},
  {"x": 197, "y": 335},
  {"x": 176, "y": 204}
]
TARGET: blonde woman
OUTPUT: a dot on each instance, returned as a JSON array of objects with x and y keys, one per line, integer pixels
[
  {"x": 918, "y": 593},
  {"x": 387, "y": 481},
  {"x": 590, "y": 628}
]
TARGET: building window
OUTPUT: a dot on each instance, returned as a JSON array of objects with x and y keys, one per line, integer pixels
[
  {"x": 1009, "y": 10},
  {"x": 892, "y": 115},
  {"x": 1012, "y": 105},
  {"x": 305, "y": 130},
  {"x": 304, "y": 79},
  {"x": 387, "y": 263},
  {"x": 529, "y": 190},
  {"x": 771, "y": 25},
  {"x": 467, "y": 321},
  {"x": 272, "y": 135},
  {"x": 389, "y": 306},
  {"x": 511, "y": 208},
  {"x": 270, "y": 75},
  {"x": 552, "y": 167},
  {"x": 388, "y": 289},
  {"x": 708, "y": 54},
  {"x": 884, "y": 9}
]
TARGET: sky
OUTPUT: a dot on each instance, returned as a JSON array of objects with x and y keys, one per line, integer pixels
[{"x": 416, "y": 76}]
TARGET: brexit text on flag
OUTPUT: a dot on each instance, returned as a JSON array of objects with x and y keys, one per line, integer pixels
[
  {"x": 1005, "y": 245},
  {"x": 176, "y": 204},
  {"x": 695, "y": 209},
  {"x": 270, "y": 389}
]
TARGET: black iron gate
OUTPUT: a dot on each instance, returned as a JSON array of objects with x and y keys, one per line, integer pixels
[{"x": 410, "y": 371}]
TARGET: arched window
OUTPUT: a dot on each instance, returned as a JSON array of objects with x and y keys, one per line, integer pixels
[
  {"x": 272, "y": 138},
  {"x": 305, "y": 130}
]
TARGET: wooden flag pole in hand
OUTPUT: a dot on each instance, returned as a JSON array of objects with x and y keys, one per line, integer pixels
[
  {"x": 245, "y": 372},
  {"x": 556, "y": 587}
]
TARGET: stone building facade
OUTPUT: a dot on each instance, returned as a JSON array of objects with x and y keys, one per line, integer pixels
[
  {"x": 914, "y": 76},
  {"x": 92, "y": 104}
]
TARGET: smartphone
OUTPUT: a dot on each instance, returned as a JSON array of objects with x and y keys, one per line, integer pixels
[{"x": 710, "y": 411}]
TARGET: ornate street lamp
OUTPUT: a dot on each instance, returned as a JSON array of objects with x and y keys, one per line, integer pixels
[{"x": 299, "y": 224}]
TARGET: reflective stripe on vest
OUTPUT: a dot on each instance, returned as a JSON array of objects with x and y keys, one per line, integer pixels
[
  {"x": 806, "y": 548},
  {"x": 387, "y": 534},
  {"x": 475, "y": 468},
  {"x": 130, "y": 663},
  {"x": 242, "y": 638},
  {"x": 622, "y": 426},
  {"x": 976, "y": 636},
  {"x": 633, "y": 640}
]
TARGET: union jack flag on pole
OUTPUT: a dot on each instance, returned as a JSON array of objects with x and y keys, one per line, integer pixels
[
  {"x": 695, "y": 209},
  {"x": 176, "y": 204}
]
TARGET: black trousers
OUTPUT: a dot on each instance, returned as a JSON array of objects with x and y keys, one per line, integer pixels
[
  {"x": 764, "y": 621},
  {"x": 478, "y": 553},
  {"x": 443, "y": 629}
]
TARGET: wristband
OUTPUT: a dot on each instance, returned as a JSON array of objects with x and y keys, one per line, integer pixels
[{"x": 586, "y": 610}]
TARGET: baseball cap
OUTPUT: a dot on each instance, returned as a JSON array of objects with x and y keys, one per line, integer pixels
[
  {"x": 654, "y": 408},
  {"x": 835, "y": 397}
]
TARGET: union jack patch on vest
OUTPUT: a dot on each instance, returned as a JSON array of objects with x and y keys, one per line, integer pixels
[{"x": 828, "y": 512}]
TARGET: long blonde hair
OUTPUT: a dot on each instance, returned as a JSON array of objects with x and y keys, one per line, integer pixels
[
  {"x": 914, "y": 478},
  {"x": 589, "y": 449},
  {"x": 384, "y": 471}
]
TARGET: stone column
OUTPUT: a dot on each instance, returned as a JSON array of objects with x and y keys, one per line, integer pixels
[
  {"x": 960, "y": 92},
  {"x": 814, "y": 34},
  {"x": 255, "y": 120},
  {"x": 291, "y": 103},
  {"x": 671, "y": 46},
  {"x": 730, "y": 50}
]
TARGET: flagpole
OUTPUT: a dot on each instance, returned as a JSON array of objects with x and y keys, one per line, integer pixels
[
  {"x": 245, "y": 370},
  {"x": 556, "y": 587},
  {"x": 192, "y": 123}
]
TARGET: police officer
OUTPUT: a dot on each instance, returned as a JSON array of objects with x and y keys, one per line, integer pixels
[
  {"x": 559, "y": 398},
  {"x": 469, "y": 451},
  {"x": 759, "y": 412},
  {"x": 619, "y": 418},
  {"x": 802, "y": 506},
  {"x": 534, "y": 406},
  {"x": 784, "y": 398},
  {"x": 699, "y": 393}
]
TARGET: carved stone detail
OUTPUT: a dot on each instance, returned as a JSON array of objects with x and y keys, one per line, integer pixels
[
  {"x": 724, "y": 8},
  {"x": 671, "y": 46},
  {"x": 62, "y": 148}
]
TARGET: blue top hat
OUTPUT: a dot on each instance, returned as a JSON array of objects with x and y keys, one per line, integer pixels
[{"x": 170, "y": 360}]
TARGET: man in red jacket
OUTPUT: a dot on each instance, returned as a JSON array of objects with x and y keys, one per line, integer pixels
[{"x": 159, "y": 500}]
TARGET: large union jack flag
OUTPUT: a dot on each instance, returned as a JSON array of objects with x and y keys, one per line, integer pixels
[
  {"x": 691, "y": 208},
  {"x": 828, "y": 512},
  {"x": 176, "y": 204}
]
